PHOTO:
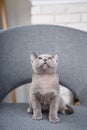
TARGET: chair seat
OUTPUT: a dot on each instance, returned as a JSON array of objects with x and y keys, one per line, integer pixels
[{"x": 15, "y": 117}]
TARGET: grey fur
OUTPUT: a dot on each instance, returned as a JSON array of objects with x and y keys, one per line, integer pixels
[{"x": 44, "y": 90}]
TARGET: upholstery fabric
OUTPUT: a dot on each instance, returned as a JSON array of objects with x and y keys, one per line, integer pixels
[{"x": 15, "y": 117}]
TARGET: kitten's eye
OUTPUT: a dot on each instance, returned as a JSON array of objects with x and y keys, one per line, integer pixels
[
  {"x": 39, "y": 58},
  {"x": 49, "y": 58}
]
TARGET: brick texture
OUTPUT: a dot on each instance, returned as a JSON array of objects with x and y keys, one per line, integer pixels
[{"x": 71, "y": 15}]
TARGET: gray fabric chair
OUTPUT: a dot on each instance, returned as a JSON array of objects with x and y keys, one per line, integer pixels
[{"x": 15, "y": 70}]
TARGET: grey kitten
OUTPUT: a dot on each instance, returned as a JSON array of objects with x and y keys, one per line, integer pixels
[{"x": 44, "y": 90}]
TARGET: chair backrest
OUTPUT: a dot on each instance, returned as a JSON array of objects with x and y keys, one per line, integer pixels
[{"x": 17, "y": 43}]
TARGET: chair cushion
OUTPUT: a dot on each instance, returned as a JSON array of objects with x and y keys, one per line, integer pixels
[{"x": 15, "y": 117}]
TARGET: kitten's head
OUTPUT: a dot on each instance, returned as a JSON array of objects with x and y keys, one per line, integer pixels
[{"x": 44, "y": 63}]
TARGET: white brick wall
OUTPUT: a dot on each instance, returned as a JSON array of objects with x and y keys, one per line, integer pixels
[
  {"x": 84, "y": 17},
  {"x": 46, "y": 19},
  {"x": 67, "y": 18},
  {"x": 71, "y": 15},
  {"x": 50, "y": 9},
  {"x": 77, "y": 8},
  {"x": 36, "y": 10}
]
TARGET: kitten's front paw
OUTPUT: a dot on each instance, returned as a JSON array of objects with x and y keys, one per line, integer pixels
[
  {"x": 54, "y": 119},
  {"x": 37, "y": 116}
]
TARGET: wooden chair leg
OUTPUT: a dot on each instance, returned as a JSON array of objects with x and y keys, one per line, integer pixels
[{"x": 13, "y": 96}]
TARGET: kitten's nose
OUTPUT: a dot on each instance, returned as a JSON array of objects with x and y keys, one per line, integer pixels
[{"x": 45, "y": 60}]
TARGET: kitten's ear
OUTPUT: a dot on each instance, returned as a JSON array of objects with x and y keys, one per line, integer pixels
[
  {"x": 33, "y": 56},
  {"x": 55, "y": 55}
]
